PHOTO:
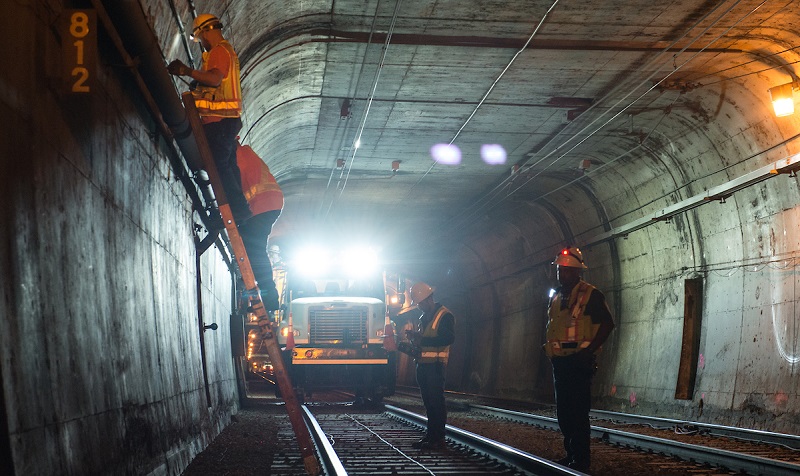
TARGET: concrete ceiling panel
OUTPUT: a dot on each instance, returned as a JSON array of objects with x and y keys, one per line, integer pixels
[{"x": 669, "y": 98}]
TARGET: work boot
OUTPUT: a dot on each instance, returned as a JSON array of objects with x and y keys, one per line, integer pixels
[
  {"x": 565, "y": 461},
  {"x": 418, "y": 444},
  {"x": 434, "y": 445},
  {"x": 579, "y": 466},
  {"x": 271, "y": 301}
]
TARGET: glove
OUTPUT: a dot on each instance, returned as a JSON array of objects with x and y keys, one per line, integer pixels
[
  {"x": 409, "y": 349},
  {"x": 413, "y": 336},
  {"x": 177, "y": 68}
]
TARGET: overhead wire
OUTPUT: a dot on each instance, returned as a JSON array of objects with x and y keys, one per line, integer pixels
[
  {"x": 464, "y": 216},
  {"x": 351, "y": 94},
  {"x": 492, "y": 193},
  {"x": 365, "y": 115},
  {"x": 597, "y": 104},
  {"x": 620, "y": 156},
  {"x": 486, "y": 95}
]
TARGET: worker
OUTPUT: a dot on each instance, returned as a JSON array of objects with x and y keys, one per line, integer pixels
[
  {"x": 265, "y": 198},
  {"x": 218, "y": 97},
  {"x": 434, "y": 335},
  {"x": 579, "y": 323}
]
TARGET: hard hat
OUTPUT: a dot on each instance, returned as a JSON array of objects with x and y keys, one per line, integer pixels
[
  {"x": 420, "y": 292},
  {"x": 570, "y": 257},
  {"x": 204, "y": 22}
]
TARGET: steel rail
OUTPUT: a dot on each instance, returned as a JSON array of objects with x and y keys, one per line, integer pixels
[
  {"x": 507, "y": 454},
  {"x": 699, "y": 454},
  {"x": 328, "y": 457},
  {"x": 783, "y": 439}
]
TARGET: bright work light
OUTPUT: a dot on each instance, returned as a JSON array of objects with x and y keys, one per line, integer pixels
[
  {"x": 313, "y": 261},
  {"x": 782, "y": 100},
  {"x": 360, "y": 261}
]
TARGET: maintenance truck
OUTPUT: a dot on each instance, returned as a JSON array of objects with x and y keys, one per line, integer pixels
[{"x": 333, "y": 329}]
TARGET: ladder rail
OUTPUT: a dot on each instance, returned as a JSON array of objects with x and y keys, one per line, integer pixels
[{"x": 269, "y": 337}]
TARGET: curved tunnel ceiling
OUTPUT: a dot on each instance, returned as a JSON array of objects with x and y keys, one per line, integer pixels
[{"x": 607, "y": 111}]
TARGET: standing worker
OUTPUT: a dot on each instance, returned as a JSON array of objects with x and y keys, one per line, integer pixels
[
  {"x": 266, "y": 202},
  {"x": 218, "y": 97},
  {"x": 579, "y": 323},
  {"x": 435, "y": 335}
]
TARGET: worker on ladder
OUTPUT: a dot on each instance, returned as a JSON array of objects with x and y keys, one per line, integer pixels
[
  {"x": 218, "y": 97},
  {"x": 266, "y": 202}
]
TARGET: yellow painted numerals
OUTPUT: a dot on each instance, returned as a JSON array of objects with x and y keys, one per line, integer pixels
[{"x": 80, "y": 50}]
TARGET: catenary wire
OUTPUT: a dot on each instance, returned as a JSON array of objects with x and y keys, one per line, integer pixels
[
  {"x": 486, "y": 95},
  {"x": 475, "y": 209}
]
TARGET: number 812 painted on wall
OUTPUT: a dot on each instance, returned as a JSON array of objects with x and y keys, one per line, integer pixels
[{"x": 80, "y": 50}]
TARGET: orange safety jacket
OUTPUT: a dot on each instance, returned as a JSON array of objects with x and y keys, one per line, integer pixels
[
  {"x": 260, "y": 188},
  {"x": 224, "y": 100},
  {"x": 432, "y": 355},
  {"x": 570, "y": 330}
]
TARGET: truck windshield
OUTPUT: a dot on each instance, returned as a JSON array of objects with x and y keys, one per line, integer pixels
[{"x": 337, "y": 287}]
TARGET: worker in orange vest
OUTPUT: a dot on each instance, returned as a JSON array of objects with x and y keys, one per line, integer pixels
[
  {"x": 579, "y": 322},
  {"x": 265, "y": 198},
  {"x": 218, "y": 97}
]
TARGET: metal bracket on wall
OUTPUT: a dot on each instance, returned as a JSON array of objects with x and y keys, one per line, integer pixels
[{"x": 789, "y": 165}]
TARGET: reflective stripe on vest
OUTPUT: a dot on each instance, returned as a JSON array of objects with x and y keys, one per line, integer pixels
[
  {"x": 264, "y": 197},
  {"x": 570, "y": 330},
  {"x": 434, "y": 354},
  {"x": 224, "y": 100}
]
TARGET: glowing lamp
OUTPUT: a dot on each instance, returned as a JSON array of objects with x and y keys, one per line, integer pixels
[{"x": 782, "y": 100}]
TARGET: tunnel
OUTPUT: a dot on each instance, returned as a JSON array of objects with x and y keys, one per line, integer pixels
[{"x": 468, "y": 142}]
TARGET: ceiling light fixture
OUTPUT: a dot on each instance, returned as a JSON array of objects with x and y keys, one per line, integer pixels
[{"x": 782, "y": 100}]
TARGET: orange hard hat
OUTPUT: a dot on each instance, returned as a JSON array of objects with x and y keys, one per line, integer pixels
[
  {"x": 420, "y": 292},
  {"x": 570, "y": 257}
]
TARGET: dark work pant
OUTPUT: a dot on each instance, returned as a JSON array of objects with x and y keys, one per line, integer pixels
[
  {"x": 430, "y": 378},
  {"x": 255, "y": 235},
  {"x": 572, "y": 378},
  {"x": 221, "y": 138}
]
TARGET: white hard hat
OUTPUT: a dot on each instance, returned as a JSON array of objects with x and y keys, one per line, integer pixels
[
  {"x": 204, "y": 22},
  {"x": 570, "y": 257},
  {"x": 419, "y": 292}
]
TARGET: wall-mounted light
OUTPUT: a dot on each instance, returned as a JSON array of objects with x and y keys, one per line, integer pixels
[{"x": 782, "y": 100}]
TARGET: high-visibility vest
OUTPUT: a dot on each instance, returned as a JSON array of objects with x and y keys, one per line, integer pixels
[
  {"x": 224, "y": 100},
  {"x": 570, "y": 330},
  {"x": 431, "y": 355},
  {"x": 260, "y": 188}
]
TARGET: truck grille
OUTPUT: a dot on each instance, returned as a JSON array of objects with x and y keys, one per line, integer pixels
[{"x": 338, "y": 326}]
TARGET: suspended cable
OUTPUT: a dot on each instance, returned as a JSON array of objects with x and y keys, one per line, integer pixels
[
  {"x": 464, "y": 216},
  {"x": 376, "y": 79},
  {"x": 642, "y": 83},
  {"x": 496, "y": 190},
  {"x": 351, "y": 94},
  {"x": 486, "y": 95}
]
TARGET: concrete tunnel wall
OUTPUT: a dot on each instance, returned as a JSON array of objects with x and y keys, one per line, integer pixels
[
  {"x": 100, "y": 364},
  {"x": 745, "y": 251},
  {"x": 100, "y": 358}
]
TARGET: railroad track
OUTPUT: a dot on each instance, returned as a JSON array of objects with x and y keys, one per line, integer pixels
[
  {"x": 731, "y": 460},
  {"x": 380, "y": 444},
  {"x": 733, "y": 449}
]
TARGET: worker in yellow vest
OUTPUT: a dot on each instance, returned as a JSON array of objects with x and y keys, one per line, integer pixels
[
  {"x": 217, "y": 94},
  {"x": 434, "y": 335},
  {"x": 579, "y": 323},
  {"x": 266, "y": 201}
]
